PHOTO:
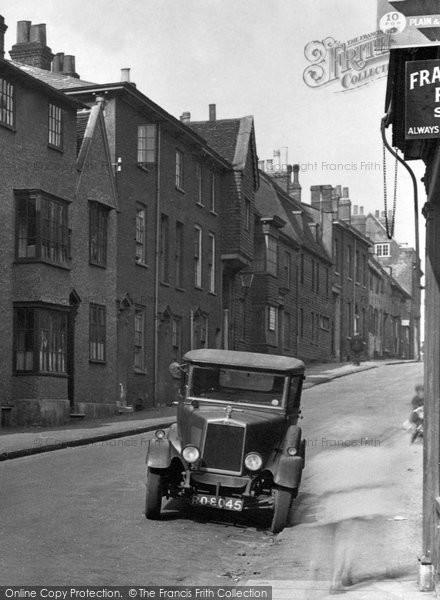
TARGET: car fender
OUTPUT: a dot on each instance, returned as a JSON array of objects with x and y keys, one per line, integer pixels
[
  {"x": 287, "y": 469},
  {"x": 159, "y": 453}
]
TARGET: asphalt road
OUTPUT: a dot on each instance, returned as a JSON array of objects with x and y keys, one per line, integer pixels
[{"x": 75, "y": 516}]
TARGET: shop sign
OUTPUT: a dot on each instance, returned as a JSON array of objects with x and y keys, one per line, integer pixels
[
  {"x": 422, "y": 99},
  {"x": 410, "y": 23}
]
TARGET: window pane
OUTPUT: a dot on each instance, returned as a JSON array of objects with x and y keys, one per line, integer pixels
[
  {"x": 6, "y": 103},
  {"x": 98, "y": 234},
  {"x": 139, "y": 340},
  {"x": 97, "y": 332},
  {"x": 55, "y": 125},
  {"x": 146, "y": 150}
]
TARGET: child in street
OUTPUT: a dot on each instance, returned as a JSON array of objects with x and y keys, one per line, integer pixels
[{"x": 416, "y": 416}]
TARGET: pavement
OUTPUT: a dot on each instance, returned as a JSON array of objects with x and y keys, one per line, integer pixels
[{"x": 15, "y": 443}]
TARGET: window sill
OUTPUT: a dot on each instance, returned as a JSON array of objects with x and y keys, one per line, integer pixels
[
  {"x": 180, "y": 190},
  {"x": 23, "y": 261},
  {"x": 95, "y": 361},
  {"x": 137, "y": 371},
  {"x": 96, "y": 264},
  {"x": 40, "y": 374},
  {"x": 56, "y": 148},
  {"x": 200, "y": 204},
  {"x": 139, "y": 263},
  {"x": 6, "y": 126},
  {"x": 212, "y": 293},
  {"x": 164, "y": 283},
  {"x": 214, "y": 213},
  {"x": 143, "y": 167},
  {"x": 198, "y": 287},
  {"x": 180, "y": 289}
]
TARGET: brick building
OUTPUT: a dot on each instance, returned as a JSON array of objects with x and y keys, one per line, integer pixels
[
  {"x": 389, "y": 316},
  {"x": 331, "y": 207},
  {"x": 291, "y": 298},
  {"x": 400, "y": 261},
  {"x": 47, "y": 190},
  {"x": 180, "y": 204},
  {"x": 234, "y": 140}
]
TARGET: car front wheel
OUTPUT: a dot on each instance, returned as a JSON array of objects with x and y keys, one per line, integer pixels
[
  {"x": 282, "y": 501},
  {"x": 153, "y": 499}
]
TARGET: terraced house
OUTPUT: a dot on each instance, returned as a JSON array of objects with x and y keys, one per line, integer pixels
[
  {"x": 53, "y": 305},
  {"x": 177, "y": 249}
]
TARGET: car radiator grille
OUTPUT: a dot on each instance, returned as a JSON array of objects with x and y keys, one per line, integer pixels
[{"x": 223, "y": 447}]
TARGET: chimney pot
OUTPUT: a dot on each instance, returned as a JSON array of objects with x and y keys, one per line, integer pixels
[
  {"x": 345, "y": 192},
  {"x": 185, "y": 117},
  {"x": 38, "y": 33},
  {"x": 361, "y": 210},
  {"x": 58, "y": 62},
  {"x": 355, "y": 209},
  {"x": 212, "y": 112},
  {"x": 125, "y": 75},
  {"x": 23, "y": 31},
  {"x": 69, "y": 65},
  {"x": 338, "y": 190},
  {"x": 377, "y": 213}
]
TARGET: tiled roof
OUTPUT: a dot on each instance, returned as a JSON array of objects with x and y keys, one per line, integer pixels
[
  {"x": 272, "y": 200},
  {"x": 221, "y": 135},
  {"x": 57, "y": 80},
  {"x": 81, "y": 125}
]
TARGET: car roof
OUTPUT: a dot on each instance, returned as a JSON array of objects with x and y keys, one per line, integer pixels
[{"x": 250, "y": 360}]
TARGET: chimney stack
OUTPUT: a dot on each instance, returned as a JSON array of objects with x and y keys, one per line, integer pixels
[
  {"x": 212, "y": 112},
  {"x": 125, "y": 75},
  {"x": 295, "y": 186},
  {"x": 31, "y": 48},
  {"x": 64, "y": 64},
  {"x": 344, "y": 212},
  {"x": 185, "y": 117},
  {"x": 3, "y": 29}
]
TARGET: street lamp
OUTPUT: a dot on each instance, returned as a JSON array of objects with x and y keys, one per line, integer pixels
[{"x": 246, "y": 278}]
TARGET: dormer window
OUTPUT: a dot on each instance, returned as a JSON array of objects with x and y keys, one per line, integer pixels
[
  {"x": 382, "y": 249},
  {"x": 7, "y": 107},
  {"x": 55, "y": 139}
]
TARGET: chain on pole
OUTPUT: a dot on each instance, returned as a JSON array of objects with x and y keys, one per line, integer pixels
[{"x": 389, "y": 226}]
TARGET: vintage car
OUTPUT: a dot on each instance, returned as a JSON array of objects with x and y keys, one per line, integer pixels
[{"x": 236, "y": 442}]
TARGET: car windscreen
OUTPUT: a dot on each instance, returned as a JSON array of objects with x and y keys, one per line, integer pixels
[{"x": 237, "y": 385}]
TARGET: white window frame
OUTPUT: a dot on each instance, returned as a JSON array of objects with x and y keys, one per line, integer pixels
[
  {"x": 139, "y": 339},
  {"x": 197, "y": 256},
  {"x": 382, "y": 249},
  {"x": 141, "y": 223},
  {"x": 146, "y": 144},
  {"x": 211, "y": 263}
]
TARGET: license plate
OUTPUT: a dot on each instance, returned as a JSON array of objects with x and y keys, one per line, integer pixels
[{"x": 217, "y": 502}]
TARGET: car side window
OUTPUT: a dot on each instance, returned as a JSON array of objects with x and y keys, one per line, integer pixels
[{"x": 294, "y": 394}]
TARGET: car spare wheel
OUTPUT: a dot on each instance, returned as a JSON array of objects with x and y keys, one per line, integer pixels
[
  {"x": 153, "y": 499},
  {"x": 282, "y": 501}
]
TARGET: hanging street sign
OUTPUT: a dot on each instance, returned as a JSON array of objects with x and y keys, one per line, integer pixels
[
  {"x": 422, "y": 99},
  {"x": 410, "y": 23}
]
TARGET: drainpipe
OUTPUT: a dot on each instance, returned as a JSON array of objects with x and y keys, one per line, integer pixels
[{"x": 156, "y": 269}]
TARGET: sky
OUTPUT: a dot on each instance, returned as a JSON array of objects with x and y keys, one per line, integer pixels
[{"x": 248, "y": 58}]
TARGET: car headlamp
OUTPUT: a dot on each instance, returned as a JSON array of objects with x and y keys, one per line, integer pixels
[
  {"x": 160, "y": 434},
  {"x": 292, "y": 451},
  {"x": 253, "y": 461},
  {"x": 191, "y": 454}
]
